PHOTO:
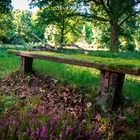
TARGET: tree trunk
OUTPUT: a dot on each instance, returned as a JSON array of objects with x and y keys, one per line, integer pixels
[
  {"x": 62, "y": 33},
  {"x": 62, "y": 36},
  {"x": 114, "y": 38}
]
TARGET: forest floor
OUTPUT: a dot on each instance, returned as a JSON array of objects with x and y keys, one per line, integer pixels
[{"x": 53, "y": 96}]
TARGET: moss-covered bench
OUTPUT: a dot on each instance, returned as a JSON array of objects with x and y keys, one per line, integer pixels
[{"x": 113, "y": 72}]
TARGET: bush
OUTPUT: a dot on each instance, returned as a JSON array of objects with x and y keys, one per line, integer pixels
[{"x": 131, "y": 47}]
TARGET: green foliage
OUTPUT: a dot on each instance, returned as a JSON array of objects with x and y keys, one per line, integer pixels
[
  {"x": 16, "y": 27},
  {"x": 22, "y": 26},
  {"x": 6, "y": 28},
  {"x": 56, "y": 13},
  {"x": 129, "y": 117},
  {"x": 89, "y": 34},
  {"x": 115, "y": 13},
  {"x": 6, "y": 102},
  {"x": 9, "y": 63},
  {"x": 5, "y": 6}
]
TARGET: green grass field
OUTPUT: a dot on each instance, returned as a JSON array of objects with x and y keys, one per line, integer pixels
[{"x": 74, "y": 75}]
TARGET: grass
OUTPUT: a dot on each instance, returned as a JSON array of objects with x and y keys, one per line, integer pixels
[
  {"x": 8, "y": 63},
  {"x": 74, "y": 75}
]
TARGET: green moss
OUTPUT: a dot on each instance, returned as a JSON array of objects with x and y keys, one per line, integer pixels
[{"x": 113, "y": 62}]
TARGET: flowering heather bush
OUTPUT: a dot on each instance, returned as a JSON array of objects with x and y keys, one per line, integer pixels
[
  {"x": 37, "y": 124},
  {"x": 40, "y": 125}
]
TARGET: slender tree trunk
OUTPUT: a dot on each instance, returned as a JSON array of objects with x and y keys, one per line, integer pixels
[
  {"x": 62, "y": 36},
  {"x": 114, "y": 38},
  {"x": 62, "y": 33}
]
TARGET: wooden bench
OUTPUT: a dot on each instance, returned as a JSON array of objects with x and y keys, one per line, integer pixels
[{"x": 112, "y": 78}]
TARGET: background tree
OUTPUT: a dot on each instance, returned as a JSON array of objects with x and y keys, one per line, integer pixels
[
  {"x": 55, "y": 13},
  {"x": 115, "y": 12},
  {"x": 137, "y": 32},
  {"x": 22, "y": 26},
  {"x": 6, "y": 28},
  {"x": 37, "y": 28},
  {"x": 5, "y": 22}
]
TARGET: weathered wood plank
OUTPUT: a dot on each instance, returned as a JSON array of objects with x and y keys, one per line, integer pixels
[{"x": 74, "y": 61}]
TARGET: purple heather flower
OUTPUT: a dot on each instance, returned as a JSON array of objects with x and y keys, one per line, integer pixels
[
  {"x": 1, "y": 122},
  {"x": 27, "y": 131},
  {"x": 87, "y": 135},
  {"x": 43, "y": 131},
  {"x": 36, "y": 133},
  {"x": 33, "y": 135},
  {"x": 61, "y": 135},
  {"x": 20, "y": 119},
  {"x": 30, "y": 114},
  {"x": 95, "y": 133},
  {"x": 35, "y": 111},
  {"x": 69, "y": 131},
  {"x": 41, "y": 109},
  {"x": 78, "y": 136},
  {"x": 54, "y": 119},
  {"x": 17, "y": 133},
  {"x": 10, "y": 121}
]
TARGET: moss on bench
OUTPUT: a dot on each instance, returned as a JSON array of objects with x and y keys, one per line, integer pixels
[{"x": 112, "y": 63}]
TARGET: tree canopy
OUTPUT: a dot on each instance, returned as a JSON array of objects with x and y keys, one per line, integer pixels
[
  {"x": 56, "y": 13},
  {"x": 115, "y": 12},
  {"x": 5, "y": 6}
]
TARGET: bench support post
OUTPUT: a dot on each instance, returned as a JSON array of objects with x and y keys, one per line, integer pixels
[
  {"x": 110, "y": 95},
  {"x": 26, "y": 64}
]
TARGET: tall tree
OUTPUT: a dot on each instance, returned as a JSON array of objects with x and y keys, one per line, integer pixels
[
  {"x": 115, "y": 12},
  {"x": 6, "y": 28},
  {"x": 55, "y": 12},
  {"x": 5, "y": 19}
]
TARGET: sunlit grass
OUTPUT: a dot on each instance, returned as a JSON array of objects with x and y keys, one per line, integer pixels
[{"x": 8, "y": 63}]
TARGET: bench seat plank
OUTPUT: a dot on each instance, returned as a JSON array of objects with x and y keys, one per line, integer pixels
[{"x": 69, "y": 59}]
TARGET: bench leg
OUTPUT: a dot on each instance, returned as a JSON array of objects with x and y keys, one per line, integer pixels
[
  {"x": 26, "y": 64},
  {"x": 110, "y": 95}
]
